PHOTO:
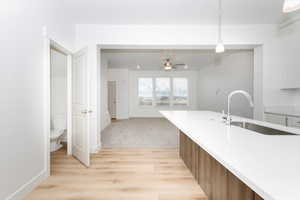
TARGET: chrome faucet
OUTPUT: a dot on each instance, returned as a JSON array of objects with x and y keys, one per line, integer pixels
[{"x": 246, "y": 94}]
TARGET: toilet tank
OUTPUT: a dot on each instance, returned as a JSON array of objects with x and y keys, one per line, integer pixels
[{"x": 59, "y": 121}]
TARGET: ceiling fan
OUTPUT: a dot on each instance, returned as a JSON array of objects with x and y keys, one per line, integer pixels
[{"x": 168, "y": 65}]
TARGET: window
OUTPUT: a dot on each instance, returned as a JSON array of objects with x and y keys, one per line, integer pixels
[
  {"x": 167, "y": 91},
  {"x": 145, "y": 91},
  {"x": 162, "y": 91},
  {"x": 180, "y": 91}
]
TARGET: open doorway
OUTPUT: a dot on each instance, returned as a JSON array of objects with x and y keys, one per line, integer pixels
[
  {"x": 66, "y": 105},
  {"x": 199, "y": 80},
  {"x": 59, "y": 109},
  {"x": 58, "y": 101}
]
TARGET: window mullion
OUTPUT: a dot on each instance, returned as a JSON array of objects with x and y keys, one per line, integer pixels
[{"x": 171, "y": 92}]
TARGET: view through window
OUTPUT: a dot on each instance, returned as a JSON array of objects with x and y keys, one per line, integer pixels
[
  {"x": 163, "y": 91},
  {"x": 145, "y": 91},
  {"x": 180, "y": 91}
]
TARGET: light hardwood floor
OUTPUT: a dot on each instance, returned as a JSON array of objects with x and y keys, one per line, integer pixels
[{"x": 120, "y": 174}]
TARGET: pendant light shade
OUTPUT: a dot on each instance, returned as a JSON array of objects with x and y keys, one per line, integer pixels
[
  {"x": 291, "y": 5},
  {"x": 220, "y": 46}
]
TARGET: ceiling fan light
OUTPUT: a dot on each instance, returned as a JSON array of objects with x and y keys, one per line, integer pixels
[
  {"x": 169, "y": 67},
  {"x": 291, "y": 5},
  {"x": 220, "y": 48}
]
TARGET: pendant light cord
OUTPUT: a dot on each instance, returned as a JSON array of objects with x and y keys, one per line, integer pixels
[{"x": 220, "y": 22}]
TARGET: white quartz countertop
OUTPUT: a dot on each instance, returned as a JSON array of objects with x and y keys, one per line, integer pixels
[{"x": 268, "y": 164}]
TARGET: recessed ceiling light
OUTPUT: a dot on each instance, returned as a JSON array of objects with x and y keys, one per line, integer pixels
[{"x": 291, "y": 5}]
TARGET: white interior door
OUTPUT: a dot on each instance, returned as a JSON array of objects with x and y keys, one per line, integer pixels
[
  {"x": 80, "y": 108},
  {"x": 112, "y": 102}
]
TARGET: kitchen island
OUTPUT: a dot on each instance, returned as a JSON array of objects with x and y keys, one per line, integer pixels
[{"x": 233, "y": 163}]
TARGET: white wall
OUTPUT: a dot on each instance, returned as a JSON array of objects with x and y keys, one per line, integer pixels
[
  {"x": 22, "y": 142},
  {"x": 58, "y": 88},
  {"x": 137, "y": 111},
  {"x": 232, "y": 70},
  {"x": 274, "y": 46},
  {"x": 170, "y": 34},
  {"x": 258, "y": 113},
  {"x": 105, "y": 117},
  {"x": 121, "y": 76},
  {"x": 184, "y": 36},
  {"x": 282, "y": 67}
]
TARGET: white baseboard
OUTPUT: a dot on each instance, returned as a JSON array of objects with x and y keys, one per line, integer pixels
[{"x": 28, "y": 187}]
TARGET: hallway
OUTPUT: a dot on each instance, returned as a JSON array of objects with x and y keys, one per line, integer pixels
[{"x": 120, "y": 174}]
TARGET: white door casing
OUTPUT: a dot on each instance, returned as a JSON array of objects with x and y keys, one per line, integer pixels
[
  {"x": 80, "y": 108},
  {"x": 112, "y": 98}
]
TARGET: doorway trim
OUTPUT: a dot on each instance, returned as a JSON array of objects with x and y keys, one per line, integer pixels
[
  {"x": 110, "y": 100},
  {"x": 48, "y": 45}
]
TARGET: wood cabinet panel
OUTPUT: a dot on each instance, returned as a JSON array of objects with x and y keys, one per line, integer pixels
[
  {"x": 201, "y": 169},
  {"x": 187, "y": 154},
  {"x": 196, "y": 161},
  {"x": 219, "y": 181},
  {"x": 237, "y": 190},
  {"x": 216, "y": 181},
  {"x": 181, "y": 146},
  {"x": 257, "y": 197},
  {"x": 207, "y": 173}
]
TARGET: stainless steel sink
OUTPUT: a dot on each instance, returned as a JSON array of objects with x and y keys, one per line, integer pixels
[{"x": 260, "y": 129}]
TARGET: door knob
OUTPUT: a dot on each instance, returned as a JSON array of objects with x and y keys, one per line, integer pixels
[{"x": 84, "y": 111}]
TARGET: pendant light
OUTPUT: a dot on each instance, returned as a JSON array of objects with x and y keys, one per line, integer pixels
[
  {"x": 220, "y": 46},
  {"x": 291, "y": 5}
]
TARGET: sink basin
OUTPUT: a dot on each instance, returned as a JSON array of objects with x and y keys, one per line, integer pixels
[{"x": 260, "y": 129}]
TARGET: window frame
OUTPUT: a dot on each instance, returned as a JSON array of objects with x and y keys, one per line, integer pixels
[
  {"x": 170, "y": 96},
  {"x": 154, "y": 99},
  {"x": 188, "y": 91}
]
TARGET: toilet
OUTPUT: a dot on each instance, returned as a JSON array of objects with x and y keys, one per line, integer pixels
[{"x": 58, "y": 131}]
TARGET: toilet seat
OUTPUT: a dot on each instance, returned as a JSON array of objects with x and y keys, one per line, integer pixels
[
  {"x": 56, "y": 133},
  {"x": 55, "y": 141},
  {"x": 58, "y": 130}
]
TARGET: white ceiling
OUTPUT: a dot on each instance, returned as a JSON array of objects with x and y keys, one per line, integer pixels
[
  {"x": 173, "y": 11},
  {"x": 153, "y": 59}
]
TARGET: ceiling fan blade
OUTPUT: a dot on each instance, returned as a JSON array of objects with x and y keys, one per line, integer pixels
[{"x": 178, "y": 65}]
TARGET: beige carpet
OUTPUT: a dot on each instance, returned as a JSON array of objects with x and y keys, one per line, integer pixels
[
  {"x": 120, "y": 174},
  {"x": 140, "y": 133}
]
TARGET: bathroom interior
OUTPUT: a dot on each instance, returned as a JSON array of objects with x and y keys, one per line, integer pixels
[{"x": 58, "y": 135}]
